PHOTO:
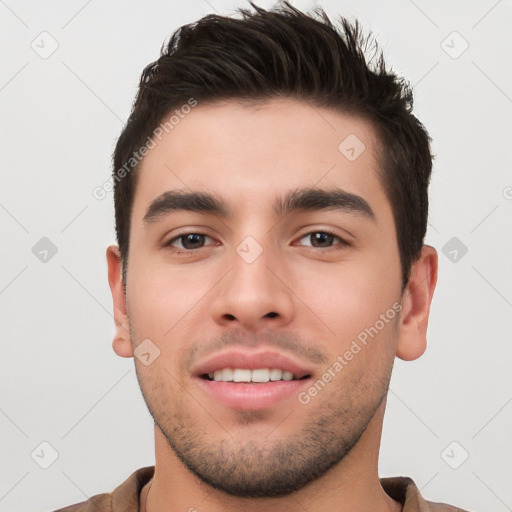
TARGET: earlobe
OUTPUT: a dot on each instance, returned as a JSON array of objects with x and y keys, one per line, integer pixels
[
  {"x": 416, "y": 301},
  {"x": 122, "y": 342}
]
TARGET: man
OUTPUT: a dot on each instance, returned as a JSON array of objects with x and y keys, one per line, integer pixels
[{"x": 271, "y": 205}]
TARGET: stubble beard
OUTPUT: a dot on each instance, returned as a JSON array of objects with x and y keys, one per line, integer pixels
[
  {"x": 269, "y": 468},
  {"x": 249, "y": 469}
]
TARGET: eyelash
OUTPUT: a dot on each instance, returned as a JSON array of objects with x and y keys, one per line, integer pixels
[{"x": 178, "y": 250}]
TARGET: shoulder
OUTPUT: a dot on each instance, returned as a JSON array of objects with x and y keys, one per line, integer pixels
[
  {"x": 98, "y": 503},
  {"x": 124, "y": 498},
  {"x": 404, "y": 490}
]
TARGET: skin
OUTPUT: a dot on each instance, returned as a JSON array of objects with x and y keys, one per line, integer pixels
[{"x": 321, "y": 299}]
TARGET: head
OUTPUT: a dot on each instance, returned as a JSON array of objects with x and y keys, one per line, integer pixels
[{"x": 252, "y": 137}]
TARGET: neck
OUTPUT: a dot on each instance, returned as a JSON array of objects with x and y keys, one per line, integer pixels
[{"x": 352, "y": 485}]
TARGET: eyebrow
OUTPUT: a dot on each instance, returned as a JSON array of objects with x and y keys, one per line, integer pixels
[
  {"x": 310, "y": 199},
  {"x": 322, "y": 199}
]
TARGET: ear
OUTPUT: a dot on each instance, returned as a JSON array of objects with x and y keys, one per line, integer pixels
[
  {"x": 416, "y": 300},
  {"x": 122, "y": 343}
]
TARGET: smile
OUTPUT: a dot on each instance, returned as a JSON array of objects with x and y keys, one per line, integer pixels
[{"x": 252, "y": 380}]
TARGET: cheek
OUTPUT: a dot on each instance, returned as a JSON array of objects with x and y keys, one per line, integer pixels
[
  {"x": 161, "y": 391},
  {"x": 162, "y": 299},
  {"x": 349, "y": 297}
]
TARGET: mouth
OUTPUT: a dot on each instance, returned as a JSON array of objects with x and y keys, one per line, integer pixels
[{"x": 244, "y": 380}]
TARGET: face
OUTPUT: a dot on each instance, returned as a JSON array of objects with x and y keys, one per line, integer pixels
[{"x": 285, "y": 267}]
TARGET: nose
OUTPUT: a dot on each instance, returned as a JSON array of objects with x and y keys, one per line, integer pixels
[{"x": 255, "y": 294}]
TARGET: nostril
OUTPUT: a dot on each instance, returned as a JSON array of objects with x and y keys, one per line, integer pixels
[
  {"x": 272, "y": 314},
  {"x": 230, "y": 316}
]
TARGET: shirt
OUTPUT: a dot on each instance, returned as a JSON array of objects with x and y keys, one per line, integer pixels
[{"x": 130, "y": 496}]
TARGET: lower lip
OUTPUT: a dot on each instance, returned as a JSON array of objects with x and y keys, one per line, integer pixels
[{"x": 252, "y": 396}]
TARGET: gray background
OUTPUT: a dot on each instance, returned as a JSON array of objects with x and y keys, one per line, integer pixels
[{"x": 60, "y": 116}]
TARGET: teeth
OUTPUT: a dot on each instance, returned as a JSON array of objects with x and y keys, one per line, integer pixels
[
  {"x": 241, "y": 375},
  {"x": 244, "y": 375},
  {"x": 261, "y": 375},
  {"x": 227, "y": 374},
  {"x": 276, "y": 374}
]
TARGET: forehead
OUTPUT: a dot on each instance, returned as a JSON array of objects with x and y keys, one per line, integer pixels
[{"x": 252, "y": 154}]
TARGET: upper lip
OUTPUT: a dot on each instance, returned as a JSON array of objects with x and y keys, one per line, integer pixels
[{"x": 252, "y": 361}]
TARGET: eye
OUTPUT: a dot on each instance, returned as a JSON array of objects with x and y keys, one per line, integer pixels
[
  {"x": 322, "y": 239},
  {"x": 188, "y": 241}
]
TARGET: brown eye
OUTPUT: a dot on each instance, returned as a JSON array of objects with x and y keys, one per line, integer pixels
[
  {"x": 322, "y": 239},
  {"x": 188, "y": 241}
]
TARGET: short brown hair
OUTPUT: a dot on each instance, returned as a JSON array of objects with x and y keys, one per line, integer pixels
[{"x": 285, "y": 53}]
